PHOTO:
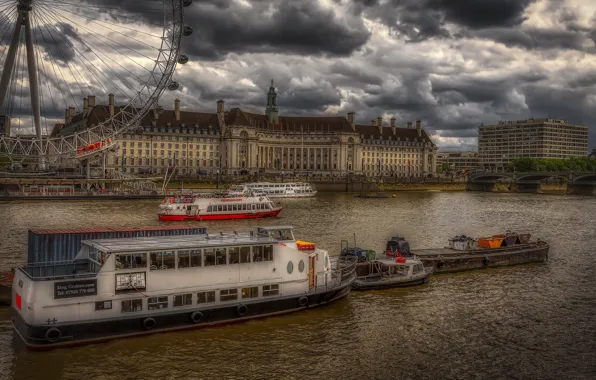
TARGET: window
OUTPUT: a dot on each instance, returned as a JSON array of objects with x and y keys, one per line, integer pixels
[
  {"x": 301, "y": 266},
  {"x": 130, "y": 281},
  {"x": 257, "y": 253},
  {"x": 220, "y": 256},
  {"x": 156, "y": 303},
  {"x": 131, "y": 261},
  {"x": 228, "y": 295},
  {"x": 268, "y": 253},
  {"x": 417, "y": 268},
  {"x": 183, "y": 300},
  {"x": 209, "y": 256},
  {"x": 163, "y": 260},
  {"x": 234, "y": 254},
  {"x": 290, "y": 267},
  {"x": 245, "y": 254},
  {"x": 270, "y": 290},
  {"x": 206, "y": 297},
  {"x": 103, "y": 305},
  {"x": 129, "y": 306},
  {"x": 250, "y": 292},
  {"x": 189, "y": 258}
]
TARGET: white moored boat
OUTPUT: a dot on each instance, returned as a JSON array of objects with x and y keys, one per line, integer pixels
[
  {"x": 276, "y": 190},
  {"x": 215, "y": 206},
  {"x": 133, "y": 286}
]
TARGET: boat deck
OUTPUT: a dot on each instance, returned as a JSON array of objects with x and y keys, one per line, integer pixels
[{"x": 449, "y": 252}]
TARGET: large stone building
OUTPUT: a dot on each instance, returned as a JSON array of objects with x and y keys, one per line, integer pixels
[
  {"x": 239, "y": 142},
  {"x": 538, "y": 138}
]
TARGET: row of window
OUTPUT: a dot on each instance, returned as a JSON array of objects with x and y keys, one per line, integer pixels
[
  {"x": 195, "y": 257},
  {"x": 181, "y": 300},
  {"x": 240, "y": 207}
]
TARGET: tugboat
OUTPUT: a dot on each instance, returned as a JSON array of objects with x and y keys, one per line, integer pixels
[
  {"x": 466, "y": 253},
  {"x": 392, "y": 271},
  {"x": 124, "y": 287},
  {"x": 217, "y": 206}
]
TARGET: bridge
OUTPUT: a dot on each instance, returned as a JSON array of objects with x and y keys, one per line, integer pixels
[{"x": 568, "y": 182}]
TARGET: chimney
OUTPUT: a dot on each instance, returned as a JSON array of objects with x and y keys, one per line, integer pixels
[
  {"x": 419, "y": 127},
  {"x": 220, "y": 106},
  {"x": 409, "y": 125},
  {"x": 380, "y": 124},
  {"x": 373, "y": 122},
  {"x": 111, "y": 104},
  {"x": 351, "y": 120},
  {"x": 85, "y": 106},
  {"x": 177, "y": 109},
  {"x": 69, "y": 114},
  {"x": 66, "y": 116},
  {"x": 91, "y": 101},
  {"x": 393, "y": 126}
]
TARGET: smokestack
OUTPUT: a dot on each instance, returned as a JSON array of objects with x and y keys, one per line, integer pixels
[
  {"x": 69, "y": 114},
  {"x": 177, "y": 109},
  {"x": 91, "y": 101},
  {"x": 419, "y": 127},
  {"x": 409, "y": 125},
  {"x": 373, "y": 122},
  {"x": 380, "y": 124},
  {"x": 85, "y": 106},
  {"x": 111, "y": 104},
  {"x": 220, "y": 106},
  {"x": 393, "y": 126},
  {"x": 351, "y": 120}
]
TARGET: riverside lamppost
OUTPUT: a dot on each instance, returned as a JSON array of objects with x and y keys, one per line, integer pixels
[
  {"x": 282, "y": 177},
  {"x": 217, "y": 184}
]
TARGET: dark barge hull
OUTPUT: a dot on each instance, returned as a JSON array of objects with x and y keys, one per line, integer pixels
[
  {"x": 358, "y": 285},
  {"x": 446, "y": 260},
  {"x": 103, "y": 331}
]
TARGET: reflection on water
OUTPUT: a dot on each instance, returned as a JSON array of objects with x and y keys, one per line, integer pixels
[{"x": 531, "y": 321}]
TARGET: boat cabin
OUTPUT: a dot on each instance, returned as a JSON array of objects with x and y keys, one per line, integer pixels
[{"x": 389, "y": 268}]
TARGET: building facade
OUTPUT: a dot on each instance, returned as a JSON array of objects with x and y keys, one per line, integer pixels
[
  {"x": 238, "y": 142},
  {"x": 459, "y": 160},
  {"x": 537, "y": 138}
]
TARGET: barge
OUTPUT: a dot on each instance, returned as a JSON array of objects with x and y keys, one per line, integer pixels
[
  {"x": 125, "y": 287},
  {"x": 276, "y": 190},
  {"x": 465, "y": 253}
]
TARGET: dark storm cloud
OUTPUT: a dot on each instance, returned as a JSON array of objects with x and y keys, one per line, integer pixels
[{"x": 535, "y": 38}]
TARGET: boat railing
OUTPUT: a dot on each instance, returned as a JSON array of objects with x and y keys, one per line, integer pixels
[
  {"x": 343, "y": 271},
  {"x": 52, "y": 270}
]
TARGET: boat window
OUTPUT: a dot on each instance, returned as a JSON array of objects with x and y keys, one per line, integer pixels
[
  {"x": 257, "y": 253},
  {"x": 210, "y": 209},
  {"x": 251, "y": 292},
  {"x": 209, "y": 254},
  {"x": 400, "y": 270},
  {"x": 219, "y": 208},
  {"x": 234, "y": 253},
  {"x": 235, "y": 207},
  {"x": 182, "y": 300},
  {"x": 189, "y": 258},
  {"x": 245, "y": 254},
  {"x": 270, "y": 290},
  {"x": 220, "y": 256},
  {"x": 268, "y": 253},
  {"x": 244, "y": 207},
  {"x": 156, "y": 303},
  {"x": 205, "y": 297},
  {"x": 130, "y": 281},
  {"x": 417, "y": 268},
  {"x": 129, "y": 306},
  {"x": 131, "y": 261},
  {"x": 228, "y": 295},
  {"x": 103, "y": 305},
  {"x": 163, "y": 260},
  {"x": 301, "y": 266}
]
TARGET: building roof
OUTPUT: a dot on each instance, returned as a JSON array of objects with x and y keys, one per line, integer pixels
[{"x": 372, "y": 131}]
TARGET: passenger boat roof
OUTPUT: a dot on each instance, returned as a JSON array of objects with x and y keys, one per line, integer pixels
[{"x": 156, "y": 243}]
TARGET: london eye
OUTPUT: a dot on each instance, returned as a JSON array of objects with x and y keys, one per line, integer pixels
[{"x": 59, "y": 56}]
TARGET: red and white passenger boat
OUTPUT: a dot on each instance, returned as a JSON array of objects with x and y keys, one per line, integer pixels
[{"x": 217, "y": 207}]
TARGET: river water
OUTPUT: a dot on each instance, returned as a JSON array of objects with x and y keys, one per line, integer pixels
[{"x": 533, "y": 321}]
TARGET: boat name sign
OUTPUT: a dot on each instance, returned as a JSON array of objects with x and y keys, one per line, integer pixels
[
  {"x": 69, "y": 289},
  {"x": 232, "y": 200}
]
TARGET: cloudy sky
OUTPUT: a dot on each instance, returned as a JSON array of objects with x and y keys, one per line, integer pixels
[{"x": 454, "y": 64}]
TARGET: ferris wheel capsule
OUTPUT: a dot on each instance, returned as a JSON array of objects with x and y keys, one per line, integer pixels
[
  {"x": 187, "y": 31},
  {"x": 174, "y": 85},
  {"x": 183, "y": 59}
]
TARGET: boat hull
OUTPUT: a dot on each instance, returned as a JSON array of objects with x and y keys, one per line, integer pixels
[
  {"x": 257, "y": 215},
  {"x": 380, "y": 285},
  {"x": 445, "y": 260},
  {"x": 103, "y": 331}
]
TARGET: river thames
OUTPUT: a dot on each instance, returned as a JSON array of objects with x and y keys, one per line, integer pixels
[{"x": 533, "y": 321}]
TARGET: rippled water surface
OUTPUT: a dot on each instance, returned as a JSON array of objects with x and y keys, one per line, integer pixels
[{"x": 526, "y": 322}]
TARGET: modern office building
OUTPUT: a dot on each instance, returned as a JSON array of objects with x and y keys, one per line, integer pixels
[
  {"x": 537, "y": 138},
  {"x": 459, "y": 160}
]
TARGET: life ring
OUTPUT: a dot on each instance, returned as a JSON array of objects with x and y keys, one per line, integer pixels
[
  {"x": 485, "y": 261},
  {"x": 303, "y": 301},
  {"x": 196, "y": 317},
  {"x": 148, "y": 323},
  {"x": 241, "y": 309},
  {"x": 53, "y": 334}
]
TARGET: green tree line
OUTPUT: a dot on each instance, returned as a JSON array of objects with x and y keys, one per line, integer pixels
[{"x": 527, "y": 164}]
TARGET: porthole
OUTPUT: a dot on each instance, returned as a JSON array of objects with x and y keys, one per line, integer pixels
[
  {"x": 290, "y": 267},
  {"x": 301, "y": 266}
]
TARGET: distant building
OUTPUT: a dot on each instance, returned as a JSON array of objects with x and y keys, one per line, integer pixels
[
  {"x": 537, "y": 138},
  {"x": 593, "y": 154},
  {"x": 459, "y": 160},
  {"x": 239, "y": 142}
]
